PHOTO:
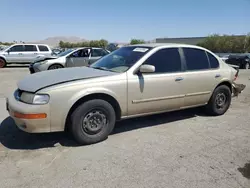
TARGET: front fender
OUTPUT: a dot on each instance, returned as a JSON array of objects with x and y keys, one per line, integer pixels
[
  {"x": 3, "y": 57},
  {"x": 83, "y": 93}
]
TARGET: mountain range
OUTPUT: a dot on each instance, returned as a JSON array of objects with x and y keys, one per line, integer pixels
[{"x": 54, "y": 41}]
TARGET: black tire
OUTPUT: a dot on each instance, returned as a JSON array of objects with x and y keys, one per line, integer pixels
[
  {"x": 83, "y": 121},
  {"x": 2, "y": 63},
  {"x": 247, "y": 66},
  {"x": 55, "y": 66},
  {"x": 216, "y": 106}
]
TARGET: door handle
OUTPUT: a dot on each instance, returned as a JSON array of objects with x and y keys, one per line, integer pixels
[
  {"x": 179, "y": 79},
  {"x": 217, "y": 75},
  {"x": 20, "y": 54}
]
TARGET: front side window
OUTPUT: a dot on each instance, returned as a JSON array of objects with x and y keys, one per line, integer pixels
[
  {"x": 80, "y": 53},
  {"x": 43, "y": 48},
  {"x": 122, "y": 59},
  {"x": 165, "y": 60},
  {"x": 30, "y": 48},
  {"x": 214, "y": 63},
  {"x": 17, "y": 48},
  {"x": 196, "y": 59}
]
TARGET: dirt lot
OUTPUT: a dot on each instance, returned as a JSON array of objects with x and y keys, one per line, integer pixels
[{"x": 180, "y": 149}]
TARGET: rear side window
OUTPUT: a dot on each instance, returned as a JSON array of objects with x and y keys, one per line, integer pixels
[
  {"x": 43, "y": 48},
  {"x": 213, "y": 61},
  {"x": 165, "y": 60},
  {"x": 196, "y": 59},
  {"x": 30, "y": 48}
]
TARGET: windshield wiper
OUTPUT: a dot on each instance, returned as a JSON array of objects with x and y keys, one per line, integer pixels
[{"x": 103, "y": 68}]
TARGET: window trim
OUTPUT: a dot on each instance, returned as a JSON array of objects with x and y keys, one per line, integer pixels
[
  {"x": 163, "y": 73},
  {"x": 210, "y": 62},
  {"x": 185, "y": 60}
]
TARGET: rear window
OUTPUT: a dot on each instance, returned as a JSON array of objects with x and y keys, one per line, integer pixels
[
  {"x": 196, "y": 59},
  {"x": 30, "y": 48},
  {"x": 213, "y": 61},
  {"x": 43, "y": 48}
]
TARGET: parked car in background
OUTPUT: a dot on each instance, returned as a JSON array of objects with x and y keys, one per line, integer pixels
[
  {"x": 241, "y": 60},
  {"x": 132, "y": 81},
  {"x": 70, "y": 58},
  {"x": 23, "y": 53},
  {"x": 57, "y": 51}
]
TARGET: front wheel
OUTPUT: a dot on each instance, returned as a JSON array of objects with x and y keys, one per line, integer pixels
[
  {"x": 220, "y": 101},
  {"x": 2, "y": 63},
  {"x": 92, "y": 121},
  {"x": 247, "y": 66},
  {"x": 55, "y": 66}
]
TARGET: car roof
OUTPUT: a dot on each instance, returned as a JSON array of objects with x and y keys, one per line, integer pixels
[
  {"x": 29, "y": 44},
  {"x": 153, "y": 45}
]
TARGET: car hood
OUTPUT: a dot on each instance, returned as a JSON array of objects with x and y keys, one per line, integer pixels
[{"x": 40, "y": 80}]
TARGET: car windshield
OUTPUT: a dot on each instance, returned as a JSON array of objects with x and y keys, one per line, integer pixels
[
  {"x": 65, "y": 53},
  {"x": 122, "y": 59}
]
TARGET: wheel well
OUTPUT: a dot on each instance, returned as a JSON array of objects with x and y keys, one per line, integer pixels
[
  {"x": 55, "y": 64},
  {"x": 227, "y": 84},
  {"x": 102, "y": 96},
  {"x": 3, "y": 59}
]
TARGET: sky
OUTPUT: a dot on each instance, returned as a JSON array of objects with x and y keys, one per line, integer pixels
[{"x": 121, "y": 20}]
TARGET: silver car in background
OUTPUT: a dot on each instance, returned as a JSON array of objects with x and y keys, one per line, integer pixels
[
  {"x": 23, "y": 53},
  {"x": 70, "y": 58}
]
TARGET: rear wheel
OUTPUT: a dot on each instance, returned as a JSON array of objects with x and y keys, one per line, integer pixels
[
  {"x": 55, "y": 66},
  {"x": 2, "y": 63},
  {"x": 92, "y": 121},
  {"x": 220, "y": 101}
]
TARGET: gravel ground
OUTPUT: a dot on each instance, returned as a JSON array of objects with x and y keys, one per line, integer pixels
[{"x": 179, "y": 149}]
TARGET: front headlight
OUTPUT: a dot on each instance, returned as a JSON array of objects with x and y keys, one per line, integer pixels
[
  {"x": 41, "y": 99},
  {"x": 31, "y": 98},
  {"x": 43, "y": 62}
]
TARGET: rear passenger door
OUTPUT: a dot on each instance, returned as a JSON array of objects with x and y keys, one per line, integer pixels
[
  {"x": 201, "y": 76},
  {"x": 29, "y": 54}
]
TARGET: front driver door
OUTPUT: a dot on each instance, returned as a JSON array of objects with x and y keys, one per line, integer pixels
[
  {"x": 158, "y": 91},
  {"x": 15, "y": 54},
  {"x": 96, "y": 53},
  {"x": 78, "y": 58}
]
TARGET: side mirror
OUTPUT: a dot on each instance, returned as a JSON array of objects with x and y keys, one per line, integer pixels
[
  {"x": 147, "y": 68},
  {"x": 8, "y": 51}
]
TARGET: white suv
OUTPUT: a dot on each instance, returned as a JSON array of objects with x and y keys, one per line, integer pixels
[{"x": 23, "y": 53}]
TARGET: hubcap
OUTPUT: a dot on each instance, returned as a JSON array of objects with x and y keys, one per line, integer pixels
[
  {"x": 56, "y": 67},
  {"x": 1, "y": 64},
  {"x": 247, "y": 66},
  {"x": 221, "y": 100},
  {"x": 94, "y": 121}
]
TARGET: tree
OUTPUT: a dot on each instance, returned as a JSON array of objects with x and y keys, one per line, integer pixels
[
  {"x": 93, "y": 43},
  {"x": 137, "y": 41},
  {"x": 227, "y": 43}
]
